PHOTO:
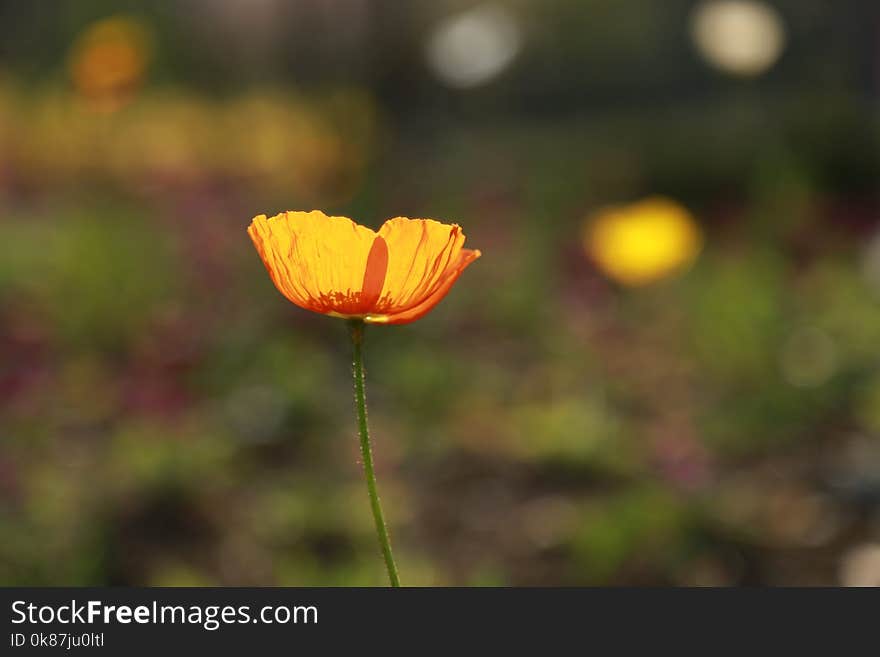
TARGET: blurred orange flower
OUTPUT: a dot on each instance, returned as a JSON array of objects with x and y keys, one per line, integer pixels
[
  {"x": 332, "y": 265},
  {"x": 109, "y": 59}
]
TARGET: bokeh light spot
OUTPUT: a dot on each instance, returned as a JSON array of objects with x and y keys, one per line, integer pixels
[
  {"x": 740, "y": 37},
  {"x": 471, "y": 48}
]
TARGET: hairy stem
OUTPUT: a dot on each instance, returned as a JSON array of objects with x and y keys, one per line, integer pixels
[{"x": 360, "y": 402}]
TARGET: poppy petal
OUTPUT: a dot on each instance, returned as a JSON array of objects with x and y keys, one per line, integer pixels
[
  {"x": 465, "y": 258},
  {"x": 374, "y": 276},
  {"x": 317, "y": 261},
  {"x": 419, "y": 253}
]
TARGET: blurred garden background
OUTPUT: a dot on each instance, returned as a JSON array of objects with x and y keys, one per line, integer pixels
[{"x": 664, "y": 370}]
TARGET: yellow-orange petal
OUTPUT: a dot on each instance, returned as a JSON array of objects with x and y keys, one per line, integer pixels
[
  {"x": 374, "y": 275},
  {"x": 465, "y": 258},
  {"x": 320, "y": 262},
  {"x": 420, "y": 253}
]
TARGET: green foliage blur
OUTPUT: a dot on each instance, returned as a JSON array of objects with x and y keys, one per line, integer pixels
[{"x": 168, "y": 418}]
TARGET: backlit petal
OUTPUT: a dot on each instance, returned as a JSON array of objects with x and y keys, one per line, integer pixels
[
  {"x": 419, "y": 253},
  {"x": 317, "y": 261},
  {"x": 374, "y": 276},
  {"x": 465, "y": 257}
]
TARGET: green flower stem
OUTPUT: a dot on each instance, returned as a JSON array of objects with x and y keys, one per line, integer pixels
[{"x": 360, "y": 399}]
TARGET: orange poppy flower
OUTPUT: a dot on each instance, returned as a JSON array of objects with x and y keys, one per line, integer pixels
[{"x": 332, "y": 265}]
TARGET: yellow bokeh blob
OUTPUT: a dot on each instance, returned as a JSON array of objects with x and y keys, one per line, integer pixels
[{"x": 643, "y": 242}]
